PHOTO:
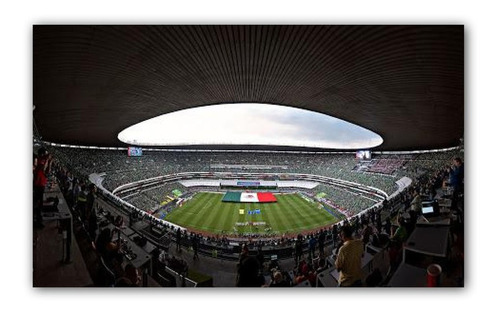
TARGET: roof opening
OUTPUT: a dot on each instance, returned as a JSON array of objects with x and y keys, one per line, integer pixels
[{"x": 249, "y": 124}]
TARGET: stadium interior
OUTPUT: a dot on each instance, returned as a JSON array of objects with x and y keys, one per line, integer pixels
[{"x": 112, "y": 214}]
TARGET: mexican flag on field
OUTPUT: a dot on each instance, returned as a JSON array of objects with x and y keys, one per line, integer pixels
[{"x": 249, "y": 197}]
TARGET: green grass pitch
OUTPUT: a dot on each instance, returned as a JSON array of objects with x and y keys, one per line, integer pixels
[{"x": 290, "y": 214}]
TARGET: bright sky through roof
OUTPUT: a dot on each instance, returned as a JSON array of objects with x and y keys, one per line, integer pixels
[{"x": 249, "y": 124}]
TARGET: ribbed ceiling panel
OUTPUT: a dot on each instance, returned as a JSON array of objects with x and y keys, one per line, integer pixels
[{"x": 403, "y": 82}]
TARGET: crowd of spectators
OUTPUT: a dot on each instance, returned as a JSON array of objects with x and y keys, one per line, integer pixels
[
  {"x": 121, "y": 169},
  {"x": 348, "y": 202},
  {"x": 151, "y": 199},
  {"x": 382, "y": 165},
  {"x": 157, "y": 163}
]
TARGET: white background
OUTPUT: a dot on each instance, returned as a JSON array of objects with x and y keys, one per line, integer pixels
[{"x": 481, "y": 121}]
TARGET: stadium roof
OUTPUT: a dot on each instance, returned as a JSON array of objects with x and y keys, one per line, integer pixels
[{"x": 404, "y": 82}]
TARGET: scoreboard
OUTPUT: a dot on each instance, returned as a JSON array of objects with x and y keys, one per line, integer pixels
[
  {"x": 134, "y": 151},
  {"x": 363, "y": 155}
]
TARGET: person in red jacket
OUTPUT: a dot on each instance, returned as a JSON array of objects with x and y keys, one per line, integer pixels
[{"x": 40, "y": 172}]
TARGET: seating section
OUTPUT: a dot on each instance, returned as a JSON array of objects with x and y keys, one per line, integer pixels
[{"x": 427, "y": 171}]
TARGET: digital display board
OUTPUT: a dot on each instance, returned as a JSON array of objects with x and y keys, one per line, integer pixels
[
  {"x": 248, "y": 184},
  {"x": 363, "y": 155},
  {"x": 134, "y": 151}
]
